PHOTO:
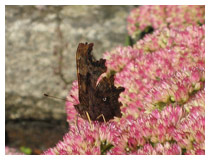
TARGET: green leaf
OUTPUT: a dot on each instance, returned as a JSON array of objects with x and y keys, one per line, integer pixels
[
  {"x": 105, "y": 147},
  {"x": 129, "y": 41},
  {"x": 184, "y": 150},
  {"x": 25, "y": 150}
]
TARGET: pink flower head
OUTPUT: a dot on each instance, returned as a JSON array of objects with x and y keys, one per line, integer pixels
[
  {"x": 163, "y": 105},
  {"x": 164, "y": 16}
]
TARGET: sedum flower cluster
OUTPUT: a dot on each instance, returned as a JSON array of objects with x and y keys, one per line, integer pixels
[
  {"x": 164, "y": 16},
  {"x": 163, "y": 109},
  {"x": 12, "y": 151}
]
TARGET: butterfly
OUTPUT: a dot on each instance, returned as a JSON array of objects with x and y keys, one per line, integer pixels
[{"x": 98, "y": 97}]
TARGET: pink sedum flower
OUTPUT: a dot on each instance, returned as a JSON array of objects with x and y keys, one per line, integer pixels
[
  {"x": 163, "y": 109},
  {"x": 164, "y": 16},
  {"x": 12, "y": 151}
]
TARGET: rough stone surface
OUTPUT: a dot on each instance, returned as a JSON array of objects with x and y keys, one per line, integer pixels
[{"x": 35, "y": 35}]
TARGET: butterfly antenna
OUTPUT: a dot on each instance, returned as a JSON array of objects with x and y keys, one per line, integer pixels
[{"x": 63, "y": 99}]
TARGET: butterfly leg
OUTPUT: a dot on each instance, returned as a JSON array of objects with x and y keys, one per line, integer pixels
[
  {"x": 88, "y": 116},
  {"x": 101, "y": 115}
]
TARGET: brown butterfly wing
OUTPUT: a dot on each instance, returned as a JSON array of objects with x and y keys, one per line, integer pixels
[
  {"x": 106, "y": 99},
  {"x": 95, "y": 99}
]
